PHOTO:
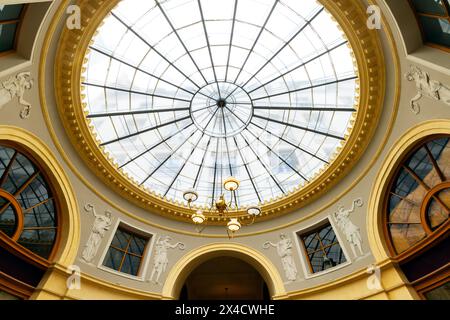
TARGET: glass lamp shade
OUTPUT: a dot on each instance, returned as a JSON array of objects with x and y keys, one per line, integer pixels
[
  {"x": 190, "y": 195},
  {"x": 231, "y": 184},
  {"x": 234, "y": 225},
  {"x": 254, "y": 211},
  {"x": 198, "y": 217}
]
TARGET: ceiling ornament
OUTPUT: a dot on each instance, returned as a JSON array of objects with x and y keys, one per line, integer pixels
[
  {"x": 426, "y": 88},
  {"x": 15, "y": 87},
  {"x": 223, "y": 208}
]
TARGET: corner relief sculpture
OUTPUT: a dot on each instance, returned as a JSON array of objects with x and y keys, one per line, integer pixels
[
  {"x": 99, "y": 228},
  {"x": 161, "y": 259},
  {"x": 284, "y": 250},
  {"x": 348, "y": 228},
  {"x": 16, "y": 87},
  {"x": 426, "y": 88}
]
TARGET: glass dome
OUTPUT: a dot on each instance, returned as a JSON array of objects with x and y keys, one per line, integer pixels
[{"x": 184, "y": 93}]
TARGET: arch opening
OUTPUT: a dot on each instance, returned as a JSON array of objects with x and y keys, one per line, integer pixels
[
  {"x": 225, "y": 278},
  {"x": 199, "y": 258}
]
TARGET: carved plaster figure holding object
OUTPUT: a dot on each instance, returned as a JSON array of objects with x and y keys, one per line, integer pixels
[
  {"x": 101, "y": 225},
  {"x": 161, "y": 259},
  {"x": 350, "y": 230},
  {"x": 284, "y": 250}
]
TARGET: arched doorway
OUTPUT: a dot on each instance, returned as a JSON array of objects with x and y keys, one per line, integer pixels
[
  {"x": 232, "y": 257},
  {"x": 225, "y": 278}
]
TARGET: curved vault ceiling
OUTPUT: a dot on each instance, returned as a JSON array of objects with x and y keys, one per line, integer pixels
[{"x": 184, "y": 93}]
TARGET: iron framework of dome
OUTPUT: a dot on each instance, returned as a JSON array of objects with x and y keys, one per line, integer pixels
[{"x": 183, "y": 94}]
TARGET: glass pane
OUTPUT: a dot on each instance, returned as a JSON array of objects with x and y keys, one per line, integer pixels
[
  {"x": 137, "y": 245},
  {"x": 7, "y": 218},
  {"x": 38, "y": 241},
  {"x": 20, "y": 172},
  {"x": 421, "y": 164},
  {"x": 335, "y": 254},
  {"x": 440, "y": 149},
  {"x": 121, "y": 239},
  {"x": 436, "y": 30},
  {"x": 311, "y": 242},
  {"x": 429, "y": 6},
  {"x": 439, "y": 293},
  {"x": 405, "y": 184},
  {"x": 438, "y": 210},
  {"x": 113, "y": 259},
  {"x": 327, "y": 236},
  {"x": 316, "y": 260},
  {"x": 404, "y": 210},
  {"x": 405, "y": 235},
  {"x": 7, "y": 36},
  {"x": 10, "y": 11},
  {"x": 34, "y": 194},
  {"x": 5, "y": 157},
  {"x": 41, "y": 216},
  {"x": 131, "y": 265}
]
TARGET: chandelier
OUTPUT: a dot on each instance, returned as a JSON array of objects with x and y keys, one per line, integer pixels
[{"x": 222, "y": 207}]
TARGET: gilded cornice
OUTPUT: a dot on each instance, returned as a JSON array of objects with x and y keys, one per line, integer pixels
[{"x": 369, "y": 59}]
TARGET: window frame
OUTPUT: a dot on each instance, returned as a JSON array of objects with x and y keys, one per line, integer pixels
[
  {"x": 432, "y": 281},
  {"x": 431, "y": 239},
  {"x": 19, "y": 23},
  {"x": 143, "y": 266},
  {"x": 304, "y": 257},
  {"x": 435, "y": 16},
  {"x": 12, "y": 245}
]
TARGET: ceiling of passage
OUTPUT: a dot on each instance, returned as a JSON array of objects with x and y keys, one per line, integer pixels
[{"x": 184, "y": 93}]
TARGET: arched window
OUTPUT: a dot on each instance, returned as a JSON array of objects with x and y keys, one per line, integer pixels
[
  {"x": 418, "y": 204},
  {"x": 433, "y": 17},
  {"x": 10, "y": 20},
  {"x": 417, "y": 217},
  {"x": 28, "y": 210}
]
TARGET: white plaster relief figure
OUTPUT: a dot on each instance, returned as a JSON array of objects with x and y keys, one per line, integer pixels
[
  {"x": 426, "y": 87},
  {"x": 161, "y": 259},
  {"x": 101, "y": 225},
  {"x": 15, "y": 87},
  {"x": 284, "y": 250},
  {"x": 350, "y": 230}
]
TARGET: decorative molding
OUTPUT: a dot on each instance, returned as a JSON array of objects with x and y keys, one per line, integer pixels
[
  {"x": 100, "y": 227},
  {"x": 161, "y": 259},
  {"x": 368, "y": 57},
  {"x": 426, "y": 88},
  {"x": 284, "y": 250},
  {"x": 348, "y": 228},
  {"x": 15, "y": 87}
]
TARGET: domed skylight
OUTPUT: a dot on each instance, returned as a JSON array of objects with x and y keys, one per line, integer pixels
[{"x": 185, "y": 93}]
